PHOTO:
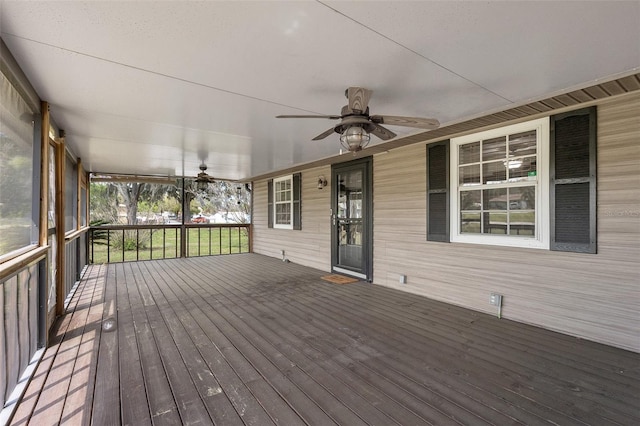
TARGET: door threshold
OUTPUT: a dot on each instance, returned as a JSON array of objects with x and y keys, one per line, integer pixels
[{"x": 350, "y": 273}]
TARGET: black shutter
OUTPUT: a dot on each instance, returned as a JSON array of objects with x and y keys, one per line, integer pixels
[
  {"x": 573, "y": 181},
  {"x": 270, "y": 203},
  {"x": 297, "y": 201},
  {"x": 438, "y": 191}
]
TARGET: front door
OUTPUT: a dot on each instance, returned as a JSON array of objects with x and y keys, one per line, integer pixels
[{"x": 352, "y": 219}]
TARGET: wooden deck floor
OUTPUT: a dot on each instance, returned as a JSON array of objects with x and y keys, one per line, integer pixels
[{"x": 247, "y": 339}]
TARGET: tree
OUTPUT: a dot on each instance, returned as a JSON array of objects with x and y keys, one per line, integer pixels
[
  {"x": 130, "y": 195},
  {"x": 233, "y": 199},
  {"x": 103, "y": 202},
  {"x": 230, "y": 198}
]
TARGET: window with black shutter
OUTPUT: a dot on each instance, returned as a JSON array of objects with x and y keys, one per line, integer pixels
[
  {"x": 438, "y": 191},
  {"x": 573, "y": 181}
]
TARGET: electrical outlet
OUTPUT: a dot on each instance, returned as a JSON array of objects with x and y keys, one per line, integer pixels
[
  {"x": 495, "y": 299},
  {"x": 403, "y": 279}
]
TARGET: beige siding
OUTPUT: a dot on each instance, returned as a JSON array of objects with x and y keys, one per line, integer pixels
[
  {"x": 592, "y": 296},
  {"x": 310, "y": 246},
  {"x": 596, "y": 297}
]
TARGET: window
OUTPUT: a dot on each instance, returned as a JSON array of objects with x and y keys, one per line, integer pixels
[
  {"x": 17, "y": 225},
  {"x": 528, "y": 185},
  {"x": 499, "y": 183},
  {"x": 83, "y": 206},
  {"x": 71, "y": 194},
  {"x": 284, "y": 202}
]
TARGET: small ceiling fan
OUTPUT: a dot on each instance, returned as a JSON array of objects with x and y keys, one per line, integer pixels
[
  {"x": 356, "y": 124},
  {"x": 203, "y": 179}
]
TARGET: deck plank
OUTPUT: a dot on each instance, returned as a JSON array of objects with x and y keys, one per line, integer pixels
[
  {"x": 460, "y": 401},
  {"x": 295, "y": 299},
  {"x": 80, "y": 394},
  {"x": 192, "y": 342},
  {"x": 250, "y": 340},
  {"x": 318, "y": 364},
  {"x": 162, "y": 406},
  {"x": 284, "y": 373},
  {"x": 510, "y": 389},
  {"x": 534, "y": 374},
  {"x": 107, "y": 384},
  {"x": 252, "y": 410},
  {"x": 180, "y": 362},
  {"x": 301, "y": 330},
  {"x": 134, "y": 406}
]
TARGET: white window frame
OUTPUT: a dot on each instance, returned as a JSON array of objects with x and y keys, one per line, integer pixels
[
  {"x": 542, "y": 234},
  {"x": 276, "y": 203}
]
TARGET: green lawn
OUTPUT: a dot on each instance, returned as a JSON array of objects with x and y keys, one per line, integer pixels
[
  {"x": 470, "y": 223},
  {"x": 165, "y": 243}
]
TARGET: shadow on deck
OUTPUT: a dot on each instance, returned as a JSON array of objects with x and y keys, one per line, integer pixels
[{"x": 247, "y": 339}]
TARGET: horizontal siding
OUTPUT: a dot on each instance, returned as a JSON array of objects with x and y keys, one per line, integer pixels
[
  {"x": 592, "y": 296},
  {"x": 310, "y": 246},
  {"x": 596, "y": 297}
]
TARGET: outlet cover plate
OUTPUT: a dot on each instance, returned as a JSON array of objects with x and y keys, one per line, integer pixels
[{"x": 495, "y": 299}]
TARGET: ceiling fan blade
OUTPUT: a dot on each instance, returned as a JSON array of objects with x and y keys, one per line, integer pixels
[
  {"x": 323, "y": 134},
  {"x": 330, "y": 117},
  {"x": 382, "y": 133},
  {"x": 396, "y": 120},
  {"x": 358, "y": 98}
]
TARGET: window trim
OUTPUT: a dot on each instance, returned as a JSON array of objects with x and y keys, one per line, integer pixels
[
  {"x": 277, "y": 225},
  {"x": 542, "y": 223}
]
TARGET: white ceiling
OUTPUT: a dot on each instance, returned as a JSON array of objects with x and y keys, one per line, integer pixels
[{"x": 158, "y": 87}]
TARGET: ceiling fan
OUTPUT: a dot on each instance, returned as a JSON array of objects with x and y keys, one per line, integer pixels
[
  {"x": 356, "y": 124},
  {"x": 203, "y": 179}
]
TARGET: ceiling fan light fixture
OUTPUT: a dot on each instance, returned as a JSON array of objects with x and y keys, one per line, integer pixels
[
  {"x": 354, "y": 138},
  {"x": 512, "y": 163},
  {"x": 202, "y": 185},
  {"x": 203, "y": 179}
]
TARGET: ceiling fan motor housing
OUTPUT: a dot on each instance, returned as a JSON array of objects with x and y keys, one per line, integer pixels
[{"x": 358, "y": 120}]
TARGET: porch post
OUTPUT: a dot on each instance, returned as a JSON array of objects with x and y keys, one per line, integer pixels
[
  {"x": 44, "y": 175},
  {"x": 43, "y": 238},
  {"x": 60, "y": 223},
  {"x": 183, "y": 229}
]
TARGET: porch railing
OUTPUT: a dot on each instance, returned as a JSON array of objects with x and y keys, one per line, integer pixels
[
  {"x": 124, "y": 243},
  {"x": 22, "y": 321},
  {"x": 75, "y": 258}
]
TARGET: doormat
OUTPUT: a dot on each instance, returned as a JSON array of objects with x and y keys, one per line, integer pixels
[{"x": 339, "y": 279}]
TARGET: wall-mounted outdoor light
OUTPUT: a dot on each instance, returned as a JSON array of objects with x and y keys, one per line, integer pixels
[{"x": 322, "y": 182}]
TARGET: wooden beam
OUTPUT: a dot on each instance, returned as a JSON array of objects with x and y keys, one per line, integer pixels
[
  {"x": 60, "y": 224},
  {"x": 79, "y": 194},
  {"x": 44, "y": 175},
  {"x": 161, "y": 180},
  {"x": 43, "y": 238},
  {"x": 16, "y": 264}
]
